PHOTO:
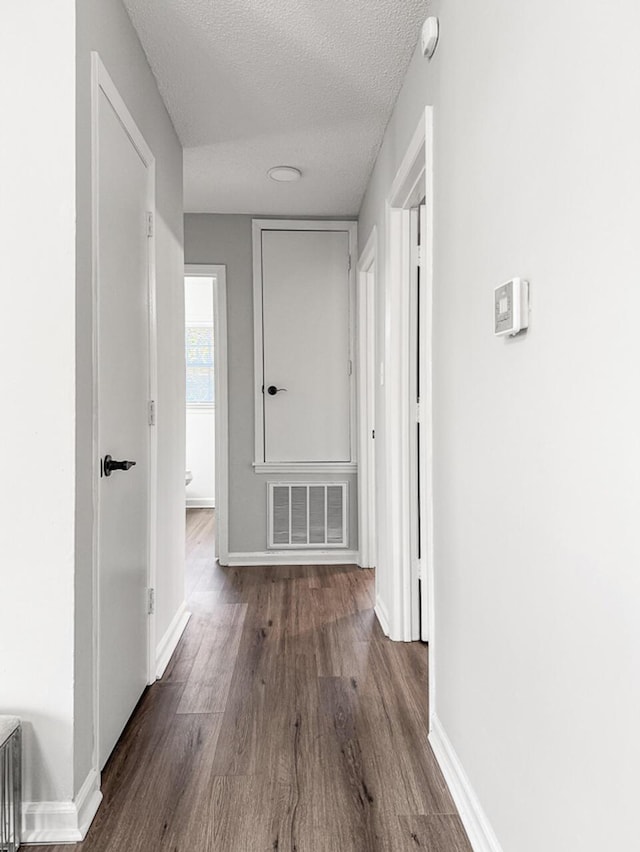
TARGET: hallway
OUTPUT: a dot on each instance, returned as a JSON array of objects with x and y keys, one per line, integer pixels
[{"x": 285, "y": 721}]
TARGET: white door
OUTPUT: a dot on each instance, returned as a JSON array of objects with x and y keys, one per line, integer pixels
[
  {"x": 367, "y": 493},
  {"x": 123, "y": 193},
  {"x": 306, "y": 367}
]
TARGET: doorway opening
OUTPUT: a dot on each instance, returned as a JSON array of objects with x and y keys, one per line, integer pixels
[
  {"x": 206, "y": 459},
  {"x": 405, "y": 384},
  {"x": 200, "y": 392}
]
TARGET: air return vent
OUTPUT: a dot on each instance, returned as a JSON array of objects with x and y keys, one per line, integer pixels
[{"x": 308, "y": 514}]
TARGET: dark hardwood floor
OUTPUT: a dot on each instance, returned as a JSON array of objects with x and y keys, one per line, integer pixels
[{"x": 285, "y": 721}]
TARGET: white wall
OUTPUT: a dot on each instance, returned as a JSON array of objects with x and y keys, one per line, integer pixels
[
  {"x": 201, "y": 436},
  {"x": 46, "y": 672},
  {"x": 104, "y": 25},
  {"x": 226, "y": 240},
  {"x": 537, "y": 458},
  {"x": 37, "y": 386}
]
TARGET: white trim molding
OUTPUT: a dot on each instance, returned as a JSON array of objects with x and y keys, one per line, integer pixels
[
  {"x": 292, "y": 557},
  {"x": 382, "y": 615},
  {"x": 306, "y": 467},
  {"x": 258, "y": 226},
  {"x": 411, "y": 185},
  {"x": 476, "y": 823},
  {"x": 62, "y": 822},
  {"x": 200, "y": 503},
  {"x": 169, "y": 642}
]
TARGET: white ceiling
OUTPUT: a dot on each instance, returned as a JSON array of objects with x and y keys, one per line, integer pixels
[{"x": 252, "y": 84}]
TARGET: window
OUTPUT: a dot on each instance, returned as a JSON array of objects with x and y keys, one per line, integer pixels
[
  {"x": 199, "y": 360},
  {"x": 199, "y": 340}
]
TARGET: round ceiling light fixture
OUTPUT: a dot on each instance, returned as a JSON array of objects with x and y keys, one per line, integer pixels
[{"x": 284, "y": 174}]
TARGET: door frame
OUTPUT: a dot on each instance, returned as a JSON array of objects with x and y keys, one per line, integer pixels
[
  {"x": 259, "y": 463},
  {"x": 413, "y": 182},
  {"x": 366, "y": 391},
  {"x": 101, "y": 82},
  {"x": 221, "y": 407}
]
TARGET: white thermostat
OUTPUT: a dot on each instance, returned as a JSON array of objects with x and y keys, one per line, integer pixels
[{"x": 511, "y": 307}]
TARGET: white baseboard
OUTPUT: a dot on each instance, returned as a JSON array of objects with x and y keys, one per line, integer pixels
[
  {"x": 382, "y": 615},
  {"x": 62, "y": 822},
  {"x": 201, "y": 503},
  {"x": 169, "y": 642},
  {"x": 475, "y": 821},
  {"x": 292, "y": 557}
]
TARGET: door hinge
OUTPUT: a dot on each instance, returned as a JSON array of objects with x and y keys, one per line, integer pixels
[
  {"x": 420, "y": 255},
  {"x": 149, "y": 224},
  {"x": 373, "y": 434},
  {"x": 417, "y": 412},
  {"x": 152, "y": 412},
  {"x": 151, "y": 601},
  {"x": 350, "y": 367},
  {"x": 349, "y": 263}
]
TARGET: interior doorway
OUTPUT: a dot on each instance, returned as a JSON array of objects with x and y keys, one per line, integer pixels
[
  {"x": 206, "y": 462},
  {"x": 406, "y": 395},
  {"x": 200, "y": 391}
]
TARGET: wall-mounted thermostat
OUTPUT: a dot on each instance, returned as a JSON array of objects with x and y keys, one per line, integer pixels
[{"x": 511, "y": 307}]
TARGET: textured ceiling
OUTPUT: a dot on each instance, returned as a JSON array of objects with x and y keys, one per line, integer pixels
[{"x": 252, "y": 84}]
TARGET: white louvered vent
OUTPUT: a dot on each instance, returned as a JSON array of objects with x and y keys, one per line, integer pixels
[{"x": 308, "y": 514}]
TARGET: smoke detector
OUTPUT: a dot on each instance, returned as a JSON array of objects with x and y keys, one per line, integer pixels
[{"x": 284, "y": 174}]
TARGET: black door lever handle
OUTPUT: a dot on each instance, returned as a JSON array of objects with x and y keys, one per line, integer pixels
[
  {"x": 272, "y": 390},
  {"x": 111, "y": 464}
]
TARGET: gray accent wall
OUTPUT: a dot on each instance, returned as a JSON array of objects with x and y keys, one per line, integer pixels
[{"x": 227, "y": 240}]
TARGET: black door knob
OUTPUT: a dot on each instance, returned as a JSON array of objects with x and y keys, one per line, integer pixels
[
  {"x": 272, "y": 390},
  {"x": 110, "y": 464}
]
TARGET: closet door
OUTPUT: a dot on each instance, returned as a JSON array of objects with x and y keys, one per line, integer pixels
[
  {"x": 124, "y": 190},
  {"x": 305, "y": 326}
]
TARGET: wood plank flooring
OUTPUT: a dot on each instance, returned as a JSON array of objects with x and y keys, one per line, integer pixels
[{"x": 285, "y": 721}]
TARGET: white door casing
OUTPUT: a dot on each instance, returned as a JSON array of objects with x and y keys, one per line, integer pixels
[
  {"x": 412, "y": 184},
  {"x": 425, "y": 459},
  {"x": 414, "y": 473},
  {"x": 124, "y": 385},
  {"x": 303, "y": 295},
  {"x": 419, "y": 376}
]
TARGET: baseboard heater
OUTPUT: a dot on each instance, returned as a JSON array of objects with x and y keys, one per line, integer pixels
[
  {"x": 307, "y": 515},
  {"x": 10, "y": 783}
]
